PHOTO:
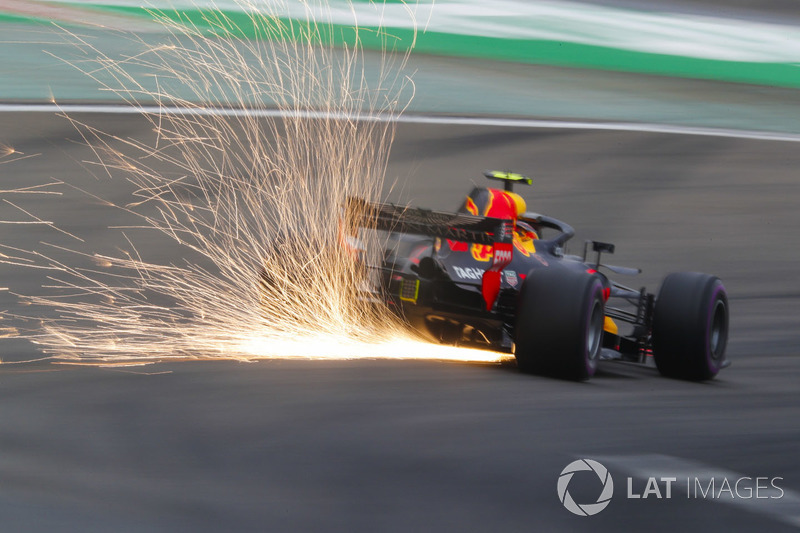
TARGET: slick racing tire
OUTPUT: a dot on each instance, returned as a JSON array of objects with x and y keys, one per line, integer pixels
[
  {"x": 559, "y": 327},
  {"x": 690, "y": 326}
]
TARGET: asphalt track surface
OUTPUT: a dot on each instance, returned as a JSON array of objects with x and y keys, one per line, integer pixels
[{"x": 294, "y": 445}]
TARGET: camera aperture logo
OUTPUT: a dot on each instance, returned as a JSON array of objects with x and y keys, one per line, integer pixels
[
  {"x": 585, "y": 509},
  {"x": 675, "y": 478}
]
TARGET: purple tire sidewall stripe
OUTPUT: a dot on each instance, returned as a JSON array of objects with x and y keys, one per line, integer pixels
[
  {"x": 719, "y": 288},
  {"x": 591, "y": 366}
]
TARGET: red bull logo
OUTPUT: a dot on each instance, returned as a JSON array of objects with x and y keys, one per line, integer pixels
[
  {"x": 518, "y": 244},
  {"x": 482, "y": 252}
]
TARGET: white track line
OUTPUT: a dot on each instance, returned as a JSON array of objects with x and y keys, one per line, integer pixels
[
  {"x": 407, "y": 119},
  {"x": 786, "y": 508}
]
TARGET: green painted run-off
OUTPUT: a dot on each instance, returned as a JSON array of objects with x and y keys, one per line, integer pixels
[{"x": 569, "y": 54}]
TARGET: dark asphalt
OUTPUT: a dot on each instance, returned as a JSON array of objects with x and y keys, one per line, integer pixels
[{"x": 420, "y": 446}]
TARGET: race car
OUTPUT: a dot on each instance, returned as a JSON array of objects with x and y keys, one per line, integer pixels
[{"x": 494, "y": 275}]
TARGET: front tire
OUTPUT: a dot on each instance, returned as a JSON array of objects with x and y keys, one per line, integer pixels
[
  {"x": 559, "y": 328},
  {"x": 690, "y": 326}
]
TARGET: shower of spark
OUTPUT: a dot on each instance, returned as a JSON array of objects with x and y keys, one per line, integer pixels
[
  {"x": 253, "y": 203},
  {"x": 9, "y": 154}
]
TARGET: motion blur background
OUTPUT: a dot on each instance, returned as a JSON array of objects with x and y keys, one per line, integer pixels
[{"x": 671, "y": 130}]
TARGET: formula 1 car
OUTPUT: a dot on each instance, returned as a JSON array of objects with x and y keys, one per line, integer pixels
[{"x": 487, "y": 277}]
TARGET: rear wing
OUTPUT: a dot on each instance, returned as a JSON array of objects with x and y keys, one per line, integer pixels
[
  {"x": 495, "y": 232},
  {"x": 419, "y": 221},
  {"x": 454, "y": 226}
]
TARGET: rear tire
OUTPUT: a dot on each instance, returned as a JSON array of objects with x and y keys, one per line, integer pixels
[
  {"x": 690, "y": 326},
  {"x": 559, "y": 328}
]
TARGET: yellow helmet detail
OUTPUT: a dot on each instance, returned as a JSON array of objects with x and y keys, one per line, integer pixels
[{"x": 519, "y": 202}]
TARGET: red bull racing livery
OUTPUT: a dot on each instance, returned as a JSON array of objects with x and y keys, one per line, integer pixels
[{"x": 494, "y": 275}]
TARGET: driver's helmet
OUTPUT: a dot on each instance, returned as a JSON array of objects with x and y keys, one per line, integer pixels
[{"x": 495, "y": 203}]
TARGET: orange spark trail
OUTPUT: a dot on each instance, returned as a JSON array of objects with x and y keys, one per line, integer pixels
[{"x": 251, "y": 203}]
